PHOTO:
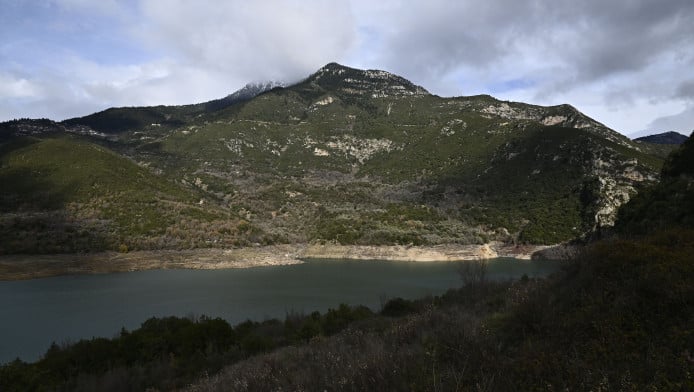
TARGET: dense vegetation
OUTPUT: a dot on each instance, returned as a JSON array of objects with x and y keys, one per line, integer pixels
[
  {"x": 63, "y": 194},
  {"x": 169, "y": 352},
  {"x": 670, "y": 203},
  {"x": 619, "y": 318}
]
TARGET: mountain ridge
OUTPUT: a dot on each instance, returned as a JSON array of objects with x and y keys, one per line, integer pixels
[{"x": 669, "y": 137}]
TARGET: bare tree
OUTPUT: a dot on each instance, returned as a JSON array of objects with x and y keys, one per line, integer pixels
[{"x": 473, "y": 273}]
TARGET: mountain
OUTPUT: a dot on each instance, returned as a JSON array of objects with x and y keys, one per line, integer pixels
[
  {"x": 350, "y": 82},
  {"x": 117, "y": 120},
  {"x": 346, "y": 155},
  {"x": 663, "y": 138}
]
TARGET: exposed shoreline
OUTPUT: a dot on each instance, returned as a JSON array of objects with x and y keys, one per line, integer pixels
[{"x": 22, "y": 267}]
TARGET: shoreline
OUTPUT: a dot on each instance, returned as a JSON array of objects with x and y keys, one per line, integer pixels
[{"x": 24, "y": 267}]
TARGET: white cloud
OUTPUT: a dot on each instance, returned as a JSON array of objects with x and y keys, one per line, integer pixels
[
  {"x": 12, "y": 86},
  {"x": 282, "y": 40},
  {"x": 198, "y": 51}
]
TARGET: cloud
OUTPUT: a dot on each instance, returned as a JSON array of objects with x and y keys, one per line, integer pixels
[
  {"x": 625, "y": 36},
  {"x": 562, "y": 44},
  {"x": 87, "y": 55},
  {"x": 686, "y": 90},
  {"x": 15, "y": 86},
  {"x": 281, "y": 40},
  {"x": 442, "y": 40}
]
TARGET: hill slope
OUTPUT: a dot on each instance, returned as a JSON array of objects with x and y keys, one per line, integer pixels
[
  {"x": 62, "y": 194},
  {"x": 668, "y": 204}
]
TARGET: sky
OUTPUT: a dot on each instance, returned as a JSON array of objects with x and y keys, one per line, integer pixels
[{"x": 627, "y": 63}]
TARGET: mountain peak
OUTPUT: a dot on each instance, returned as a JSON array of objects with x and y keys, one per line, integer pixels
[
  {"x": 664, "y": 138},
  {"x": 246, "y": 93},
  {"x": 352, "y": 81},
  {"x": 251, "y": 90},
  {"x": 333, "y": 67}
]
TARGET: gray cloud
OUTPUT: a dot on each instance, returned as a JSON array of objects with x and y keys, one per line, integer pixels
[
  {"x": 252, "y": 40},
  {"x": 579, "y": 42},
  {"x": 686, "y": 90},
  {"x": 627, "y": 36},
  {"x": 682, "y": 122},
  {"x": 429, "y": 41}
]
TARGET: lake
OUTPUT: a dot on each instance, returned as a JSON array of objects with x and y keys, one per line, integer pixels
[{"x": 37, "y": 312}]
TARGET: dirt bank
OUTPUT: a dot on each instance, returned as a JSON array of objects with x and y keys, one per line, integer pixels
[
  {"x": 402, "y": 253},
  {"x": 19, "y": 267}
]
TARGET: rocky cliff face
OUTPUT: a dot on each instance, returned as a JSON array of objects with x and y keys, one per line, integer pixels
[{"x": 617, "y": 181}]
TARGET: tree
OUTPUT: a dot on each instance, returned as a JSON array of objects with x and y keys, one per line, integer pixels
[{"x": 473, "y": 273}]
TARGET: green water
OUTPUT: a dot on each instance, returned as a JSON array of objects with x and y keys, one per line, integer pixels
[{"x": 68, "y": 308}]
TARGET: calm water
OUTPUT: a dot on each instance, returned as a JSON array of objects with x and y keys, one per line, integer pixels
[{"x": 67, "y": 308}]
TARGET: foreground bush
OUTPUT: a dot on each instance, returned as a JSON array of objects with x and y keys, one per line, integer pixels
[{"x": 167, "y": 352}]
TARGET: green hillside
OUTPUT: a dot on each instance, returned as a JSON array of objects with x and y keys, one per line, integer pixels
[{"x": 63, "y": 194}]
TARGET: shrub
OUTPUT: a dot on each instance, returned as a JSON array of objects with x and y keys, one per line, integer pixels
[{"x": 398, "y": 307}]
